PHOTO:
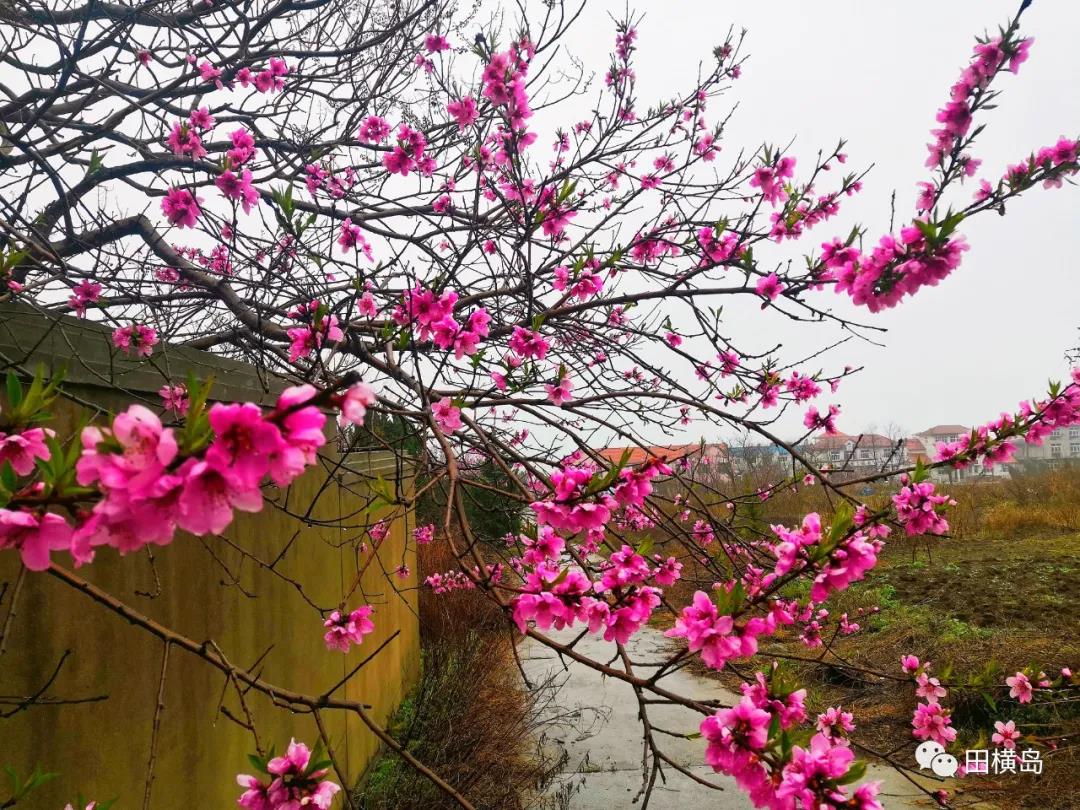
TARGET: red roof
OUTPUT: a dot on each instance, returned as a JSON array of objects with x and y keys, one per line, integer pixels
[
  {"x": 864, "y": 440},
  {"x": 638, "y": 455},
  {"x": 945, "y": 430}
]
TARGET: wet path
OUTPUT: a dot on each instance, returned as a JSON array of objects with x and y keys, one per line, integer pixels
[{"x": 595, "y": 722}]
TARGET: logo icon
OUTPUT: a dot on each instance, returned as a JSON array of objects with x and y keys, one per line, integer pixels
[{"x": 932, "y": 755}]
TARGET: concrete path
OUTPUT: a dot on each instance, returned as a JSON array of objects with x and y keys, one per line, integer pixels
[{"x": 593, "y": 720}]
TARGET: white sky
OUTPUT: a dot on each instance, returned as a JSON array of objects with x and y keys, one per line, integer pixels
[{"x": 875, "y": 73}]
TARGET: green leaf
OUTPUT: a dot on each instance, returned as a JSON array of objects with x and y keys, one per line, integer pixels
[
  {"x": 8, "y": 478},
  {"x": 563, "y": 574},
  {"x": 843, "y": 518},
  {"x": 95, "y": 163},
  {"x": 856, "y": 772},
  {"x": 383, "y": 491},
  {"x": 728, "y": 602},
  {"x": 14, "y": 390},
  {"x": 928, "y": 230}
]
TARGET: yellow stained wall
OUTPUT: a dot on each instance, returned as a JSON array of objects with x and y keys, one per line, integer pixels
[{"x": 101, "y": 749}]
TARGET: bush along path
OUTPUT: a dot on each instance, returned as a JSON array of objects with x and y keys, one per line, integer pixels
[{"x": 593, "y": 726}]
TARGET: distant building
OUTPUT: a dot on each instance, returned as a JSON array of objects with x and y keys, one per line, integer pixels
[
  {"x": 1062, "y": 446},
  {"x": 931, "y": 437},
  {"x": 748, "y": 457},
  {"x": 684, "y": 458},
  {"x": 858, "y": 455}
]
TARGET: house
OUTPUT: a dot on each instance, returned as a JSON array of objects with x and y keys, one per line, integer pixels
[
  {"x": 1062, "y": 446},
  {"x": 855, "y": 455},
  {"x": 684, "y": 458},
  {"x": 749, "y": 457},
  {"x": 946, "y": 434},
  {"x": 916, "y": 451}
]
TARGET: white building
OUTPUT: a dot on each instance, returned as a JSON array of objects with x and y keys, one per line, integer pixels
[
  {"x": 858, "y": 455},
  {"x": 929, "y": 440},
  {"x": 1062, "y": 446}
]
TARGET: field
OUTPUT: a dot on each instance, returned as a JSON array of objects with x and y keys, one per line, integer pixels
[{"x": 999, "y": 596}]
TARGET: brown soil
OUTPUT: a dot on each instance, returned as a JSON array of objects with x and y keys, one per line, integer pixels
[{"x": 959, "y": 603}]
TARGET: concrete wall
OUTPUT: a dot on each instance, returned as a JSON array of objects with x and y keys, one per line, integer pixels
[{"x": 210, "y": 589}]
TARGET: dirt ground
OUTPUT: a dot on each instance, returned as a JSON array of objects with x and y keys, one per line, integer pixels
[{"x": 962, "y": 603}]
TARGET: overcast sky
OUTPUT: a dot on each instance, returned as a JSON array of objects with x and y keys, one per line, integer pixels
[{"x": 875, "y": 73}]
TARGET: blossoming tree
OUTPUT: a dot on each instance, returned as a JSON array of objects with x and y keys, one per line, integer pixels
[{"x": 357, "y": 197}]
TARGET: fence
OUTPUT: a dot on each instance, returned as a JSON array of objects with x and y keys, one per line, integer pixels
[{"x": 93, "y": 723}]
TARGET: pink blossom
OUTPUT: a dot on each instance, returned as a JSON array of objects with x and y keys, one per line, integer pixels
[
  {"x": 34, "y": 534},
  {"x": 436, "y": 43},
  {"x": 244, "y": 443},
  {"x": 707, "y": 632},
  {"x": 744, "y": 727},
  {"x": 1005, "y": 734},
  {"x": 296, "y": 784},
  {"x": 184, "y": 139},
  {"x": 835, "y": 723},
  {"x": 310, "y": 337},
  {"x": 667, "y": 571},
  {"x": 345, "y": 631},
  {"x": 146, "y": 449},
  {"x": 769, "y": 287},
  {"x": 374, "y": 130},
  {"x": 930, "y": 689},
  {"x": 562, "y": 392},
  {"x": 174, "y": 398},
  {"x": 20, "y": 449},
  {"x": 350, "y": 237},
  {"x": 447, "y": 415},
  {"x": 814, "y": 420},
  {"x": 302, "y": 427},
  {"x": 442, "y": 204},
  {"x": 243, "y": 147},
  {"x": 255, "y": 795},
  {"x": 181, "y": 207},
  {"x": 136, "y": 339},
  {"x": 919, "y": 509},
  {"x": 235, "y": 187},
  {"x": 84, "y": 293},
  {"x": 208, "y": 73},
  {"x": 463, "y": 111},
  {"x": 810, "y": 768},
  {"x": 209, "y": 497},
  {"x": 931, "y": 722},
  {"x": 1020, "y": 687},
  {"x": 355, "y": 402},
  {"x": 528, "y": 344}
]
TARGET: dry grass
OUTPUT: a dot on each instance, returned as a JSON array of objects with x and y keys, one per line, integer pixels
[
  {"x": 998, "y": 596},
  {"x": 470, "y": 719},
  {"x": 1028, "y": 505}
]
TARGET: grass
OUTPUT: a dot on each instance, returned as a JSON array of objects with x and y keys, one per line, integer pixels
[
  {"x": 997, "y": 597},
  {"x": 976, "y": 608}
]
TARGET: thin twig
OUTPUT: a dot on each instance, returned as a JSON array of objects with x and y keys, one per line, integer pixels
[{"x": 158, "y": 709}]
